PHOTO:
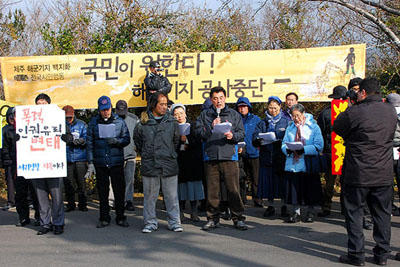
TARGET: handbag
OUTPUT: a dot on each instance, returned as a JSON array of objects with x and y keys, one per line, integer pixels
[{"x": 316, "y": 163}]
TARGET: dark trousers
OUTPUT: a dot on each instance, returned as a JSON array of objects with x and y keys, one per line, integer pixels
[
  {"x": 116, "y": 173},
  {"x": 51, "y": 209},
  {"x": 328, "y": 190},
  {"x": 230, "y": 171},
  {"x": 75, "y": 183},
  {"x": 10, "y": 175},
  {"x": 22, "y": 187},
  {"x": 378, "y": 199},
  {"x": 252, "y": 167}
]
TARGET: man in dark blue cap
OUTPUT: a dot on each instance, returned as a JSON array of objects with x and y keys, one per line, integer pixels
[{"x": 107, "y": 136}]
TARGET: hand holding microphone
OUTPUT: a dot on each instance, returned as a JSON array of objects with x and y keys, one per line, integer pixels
[{"x": 218, "y": 119}]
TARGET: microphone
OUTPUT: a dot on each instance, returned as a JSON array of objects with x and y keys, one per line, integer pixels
[{"x": 218, "y": 111}]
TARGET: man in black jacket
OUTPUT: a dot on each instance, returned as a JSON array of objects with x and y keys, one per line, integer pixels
[
  {"x": 107, "y": 135},
  {"x": 221, "y": 158},
  {"x": 324, "y": 122},
  {"x": 155, "y": 81},
  {"x": 157, "y": 139},
  {"x": 368, "y": 129}
]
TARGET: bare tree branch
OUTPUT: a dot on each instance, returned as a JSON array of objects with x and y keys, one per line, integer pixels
[
  {"x": 382, "y": 6},
  {"x": 392, "y": 36}
]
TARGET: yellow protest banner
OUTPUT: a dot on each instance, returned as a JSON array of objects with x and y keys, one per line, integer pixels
[
  {"x": 4, "y": 105},
  {"x": 79, "y": 80}
]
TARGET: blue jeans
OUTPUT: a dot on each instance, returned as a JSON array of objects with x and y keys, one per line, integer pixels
[{"x": 151, "y": 189}]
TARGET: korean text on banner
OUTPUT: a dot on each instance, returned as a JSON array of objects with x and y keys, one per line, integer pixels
[
  {"x": 79, "y": 80},
  {"x": 40, "y": 151},
  {"x": 338, "y": 148}
]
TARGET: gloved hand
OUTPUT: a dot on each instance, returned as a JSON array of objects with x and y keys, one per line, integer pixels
[
  {"x": 112, "y": 141},
  {"x": 79, "y": 141},
  {"x": 90, "y": 170},
  {"x": 300, "y": 151},
  {"x": 289, "y": 151},
  {"x": 67, "y": 138}
]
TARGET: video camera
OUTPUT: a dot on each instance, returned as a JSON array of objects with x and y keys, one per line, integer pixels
[{"x": 352, "y": 95}]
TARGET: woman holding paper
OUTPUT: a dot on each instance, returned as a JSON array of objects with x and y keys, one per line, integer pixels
[
  {"x": 191, "y": 170},
  {"x": 302, "y": 137},
  {"x": 268, "y": 136}
]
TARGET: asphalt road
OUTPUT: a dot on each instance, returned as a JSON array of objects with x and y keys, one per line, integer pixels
[{"x": 268, "y": 242}]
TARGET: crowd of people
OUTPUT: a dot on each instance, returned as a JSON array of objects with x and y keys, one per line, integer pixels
[{"x": 204, "y": 162}]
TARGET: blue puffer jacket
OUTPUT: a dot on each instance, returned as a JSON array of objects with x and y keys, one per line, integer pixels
[
  {"x": 99, "y": 151},
  {"x": 271, "y": 154},
  {"x": 250, "y": 122},
  {"x": 77, "y": 153},
  {"x": 314, "y": 143}
]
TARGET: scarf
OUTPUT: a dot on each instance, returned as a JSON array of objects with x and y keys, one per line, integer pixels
[
  {"x": 299, "y": 138},
  {"x": 272, "y": 121}
]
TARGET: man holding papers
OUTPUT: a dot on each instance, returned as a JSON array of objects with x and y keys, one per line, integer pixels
[
  {"x": 107, "y": 136},
  {"x": 221, "y": 157}
]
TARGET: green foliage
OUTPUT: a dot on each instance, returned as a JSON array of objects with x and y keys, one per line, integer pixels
[{"x": 12, "y": 27}]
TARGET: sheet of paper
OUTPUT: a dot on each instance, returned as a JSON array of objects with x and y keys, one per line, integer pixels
[
  {"x": 267, "y": 138},
  {"x": 106, "y": 130},
  {"x": 294, "y": 145},
  {"x": 184, "y": 128},
  {"x": 222, "y": 127},
  {"x": 396, "y": 153}
]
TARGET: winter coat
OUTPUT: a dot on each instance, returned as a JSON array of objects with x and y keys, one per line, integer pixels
[
  {"x": 215, "y": 145},
  {"x": 9, "y": 150},
  {"x": 250, "y": 122},
  {"x": 77, "y": 153},
  {"x": 131, "y": 121},
  {"x": 314, "y": 143},
  {"x": 156, "y": 82},
  {"x": 325, "y": 124},
  {"x": 271, "y": 154},
  {"x": 99, "y": 151},
  {"x": 190, "y": 167},
  {"x": 157, "y": 144},
  {"x": 368, "y": 129}
]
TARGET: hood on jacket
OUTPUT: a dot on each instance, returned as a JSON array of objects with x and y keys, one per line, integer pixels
[
  {"x": 243, "y": 100},
  {"x": 10, "y": 114},
  {"x": 206, "y": 105}
]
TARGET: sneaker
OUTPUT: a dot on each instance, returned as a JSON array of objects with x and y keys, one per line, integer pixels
[
  {"x": 102, "y": 224},
  {"x": 58, "y": 229},
  {"x": 177, "y": 228},
  {"x": 194, "y": 217},
  {"x": 240, "y": 225},
  {"x": 210, "y": 225},
  {"x": 368, "y": 225},
  {"x": 148, "y": 229},
  {"x": 226, "y": 215}
]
